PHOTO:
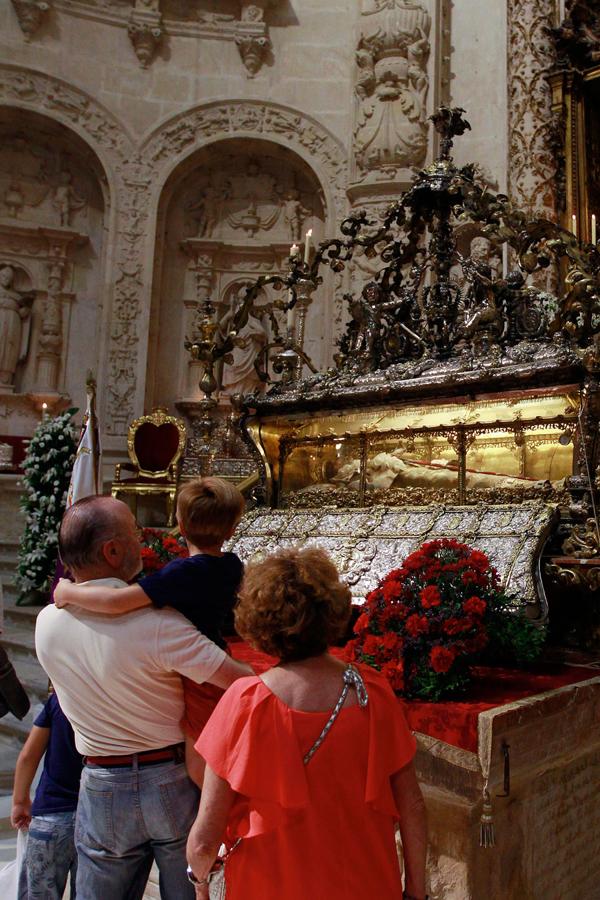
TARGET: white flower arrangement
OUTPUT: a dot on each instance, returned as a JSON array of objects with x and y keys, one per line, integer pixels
[{"x": 47, "y": 467}]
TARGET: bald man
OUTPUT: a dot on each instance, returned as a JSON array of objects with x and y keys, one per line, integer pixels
[{"x": 118, "y": 680}]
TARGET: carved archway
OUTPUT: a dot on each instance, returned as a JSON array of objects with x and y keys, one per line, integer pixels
[
  {"x": 169, "y": 144},
  {"x": 54, "y": 201},
  {"x": 229, "y": 212},
  {"x": 127, "y": 182}
]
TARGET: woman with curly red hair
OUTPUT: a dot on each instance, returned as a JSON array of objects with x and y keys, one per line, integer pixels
[{"x": 309, "y": 766}]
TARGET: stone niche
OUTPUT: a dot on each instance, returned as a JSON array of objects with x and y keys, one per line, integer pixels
[
  {"x": 51, "y": 237},
  {"x": 229, "y": 214}
]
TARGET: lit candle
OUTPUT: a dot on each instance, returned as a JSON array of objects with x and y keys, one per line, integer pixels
[
  {"x": 307, "y": 245},
  {"x": 294, "y": 251},
  {"x": 44, "y": 408},
  {"x": 594, "y": 229},
  {"x": 574, "y": 224}
]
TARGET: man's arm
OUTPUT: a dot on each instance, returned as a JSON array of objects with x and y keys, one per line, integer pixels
[
  {"x": 229, "y": 671},
  {"x": 97, "y": 598},
  {"x": 181, "y": 648},
  {"x": 27, "y": 764}
]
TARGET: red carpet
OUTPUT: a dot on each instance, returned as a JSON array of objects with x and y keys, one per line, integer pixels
[{"x": 456, "y": 722}]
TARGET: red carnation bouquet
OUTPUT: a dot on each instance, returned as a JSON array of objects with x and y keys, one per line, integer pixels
[
  {"x": 429, "y": 621},
  {"x": 159, "y": 548}
]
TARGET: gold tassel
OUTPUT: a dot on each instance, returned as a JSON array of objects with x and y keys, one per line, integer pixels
[{"x": 487, "y": 837}]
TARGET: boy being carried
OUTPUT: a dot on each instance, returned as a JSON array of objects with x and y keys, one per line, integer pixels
[{"x": 203, "y": 587}]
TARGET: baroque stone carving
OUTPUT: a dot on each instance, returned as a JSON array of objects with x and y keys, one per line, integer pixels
[
  {"x": 127, "y": 302},
  {"x": 50, "y": 340},
  {"x": 253, "y": 50},
  {"x": 226, "y": 120},
  {"x": 44, "y": 93},
  {"x": 15, "y": 310},
  {"x": 391, "y": 86},
  {"x": 30, "y": 14},
  {"x": 104, "y": 133},
  {"x": 65, "y": 199},
  {"x": 145, "y": 30},
  {"x": 532, "y": 166},
  {"x": 251, "y": 36},
  {"x": 240, "y": 375}
]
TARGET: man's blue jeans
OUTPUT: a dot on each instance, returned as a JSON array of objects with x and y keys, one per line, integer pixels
[
  {"x": 49, "y": 857},
  {"x": 126, "y": 818}
]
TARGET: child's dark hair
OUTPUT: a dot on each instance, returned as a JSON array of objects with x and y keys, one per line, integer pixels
[{"x": 208, "y": 510}]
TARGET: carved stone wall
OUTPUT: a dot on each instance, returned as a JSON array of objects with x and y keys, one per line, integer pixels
[{"x": 532, "y": 166}]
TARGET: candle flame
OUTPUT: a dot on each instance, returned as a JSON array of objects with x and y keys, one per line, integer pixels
[{"x": 309, "y": 233}]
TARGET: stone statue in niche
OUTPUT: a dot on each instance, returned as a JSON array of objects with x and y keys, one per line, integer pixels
[
  {"x": 207, "y": 209},
  {"x": 15, "y": 311},
  {"x": 294, "y": 213},
  {"x": 240, "y": 375},
  {"x": 391, "y": 86},
  {"x": 13, "y": 198},
  {"x": 65, "y": 199}
]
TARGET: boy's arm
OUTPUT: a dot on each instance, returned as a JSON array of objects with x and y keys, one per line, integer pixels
[
  {"x": 27, "y": 763},
  {"x": 101, "y": 599}
]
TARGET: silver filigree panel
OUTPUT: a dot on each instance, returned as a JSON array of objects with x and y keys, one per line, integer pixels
[{"x": 366, "y": 544}]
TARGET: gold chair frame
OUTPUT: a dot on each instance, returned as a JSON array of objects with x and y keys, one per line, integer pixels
[{"x": 168, "y": 478}]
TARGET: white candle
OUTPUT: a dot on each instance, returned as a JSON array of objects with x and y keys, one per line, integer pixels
[
  {"x": 307, "y": 245},
  {"x": 574, "y": 224},
  {"x": 44, "y": 408},
  {"x": 594, "y": 229},
  {"x": 504, "y": 259},
  {"x": 294, "y": 251}
]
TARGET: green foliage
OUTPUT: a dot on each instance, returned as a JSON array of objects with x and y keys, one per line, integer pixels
[
  {"x": 47, "y": 466},
  {"x": 514, "y": 639}
]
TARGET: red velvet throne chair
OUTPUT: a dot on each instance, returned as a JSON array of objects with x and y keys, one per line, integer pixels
[{"x": 155, "y": 444}]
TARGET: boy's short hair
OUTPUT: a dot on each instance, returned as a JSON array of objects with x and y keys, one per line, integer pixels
[{"x": 208, "y": 509}]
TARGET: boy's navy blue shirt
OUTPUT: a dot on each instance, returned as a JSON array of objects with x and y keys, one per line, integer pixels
[
  {"x": 201, "y": 587},
  {"x": 59, "y": 784}
]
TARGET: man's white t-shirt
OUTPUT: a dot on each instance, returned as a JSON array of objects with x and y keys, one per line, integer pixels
[{"x": 118, "y": 678}]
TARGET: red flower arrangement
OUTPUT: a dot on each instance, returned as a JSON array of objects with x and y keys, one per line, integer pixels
[
  {"x": 427, "y": 622},
  {"x": 159, "y": 548}
]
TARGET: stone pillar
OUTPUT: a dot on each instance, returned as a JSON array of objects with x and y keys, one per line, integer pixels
[
  {"x": 50, "y": 340},
  {"x": 531, "y": 164}
]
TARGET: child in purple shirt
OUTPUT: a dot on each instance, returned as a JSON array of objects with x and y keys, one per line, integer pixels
[{"x": 50, "y": 855}]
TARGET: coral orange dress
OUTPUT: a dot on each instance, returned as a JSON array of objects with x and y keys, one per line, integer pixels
[{"x": 323, "y": 831}]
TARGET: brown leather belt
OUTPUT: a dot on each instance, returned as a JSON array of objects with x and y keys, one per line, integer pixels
[{"x": 145, "y": 758}]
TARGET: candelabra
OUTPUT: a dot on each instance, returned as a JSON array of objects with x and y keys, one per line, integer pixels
[{"x": 204, "y": 348}]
